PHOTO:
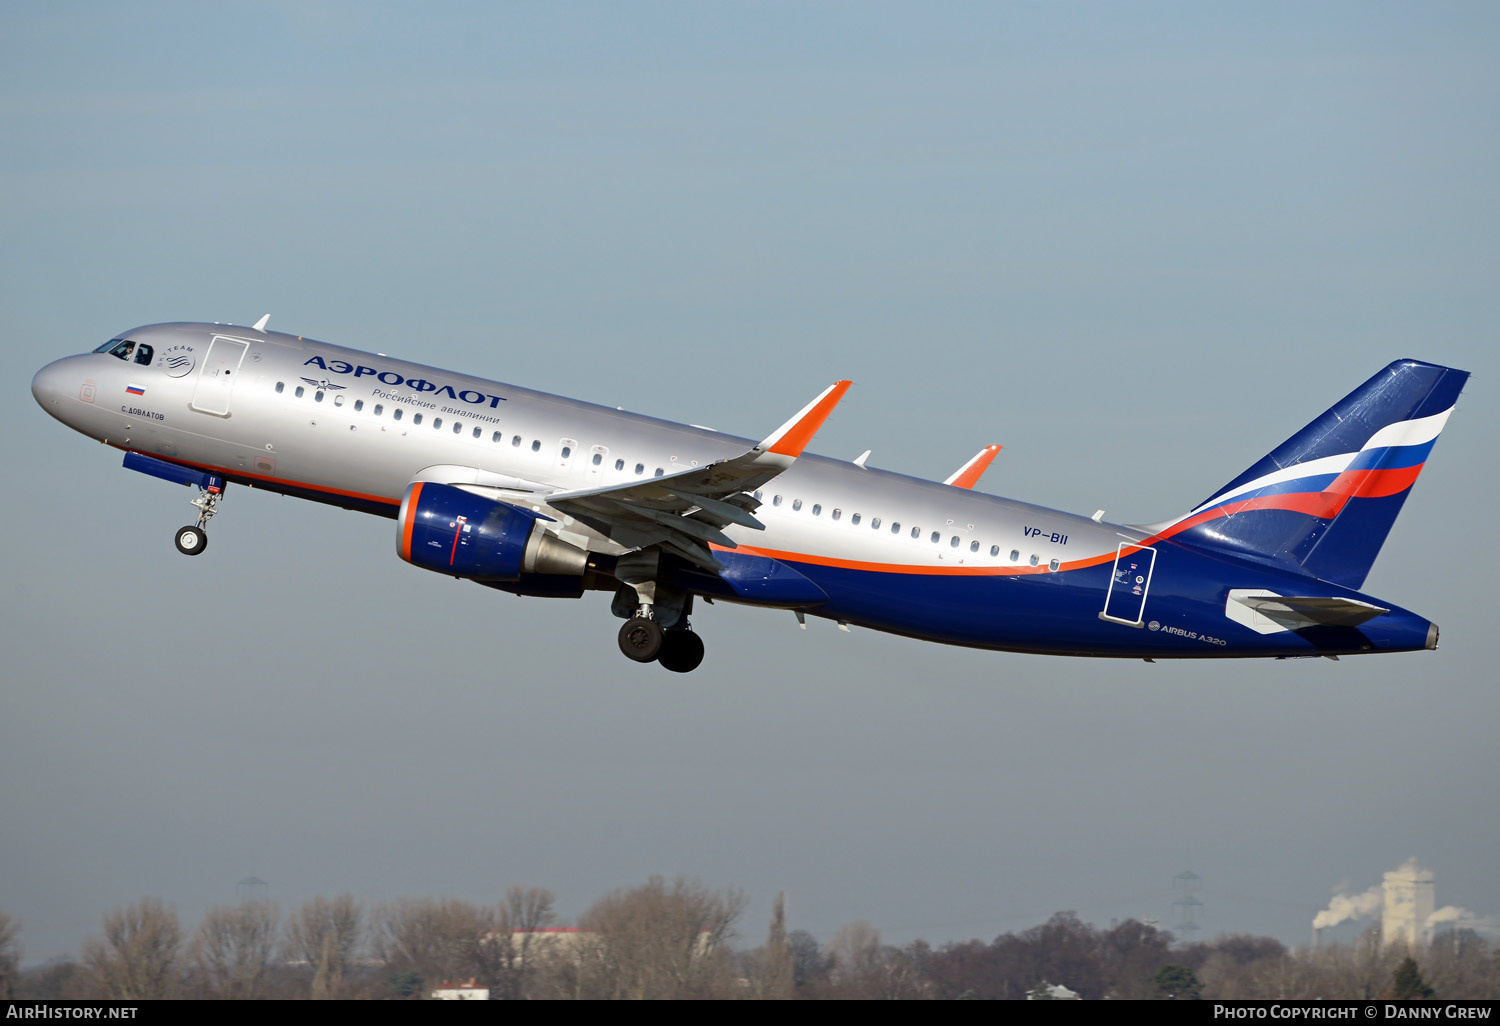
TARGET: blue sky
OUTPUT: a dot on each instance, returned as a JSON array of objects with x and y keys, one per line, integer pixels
[{"x": 1136, "y": 245}]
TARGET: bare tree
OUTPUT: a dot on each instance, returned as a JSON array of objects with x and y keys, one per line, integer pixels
[
  {"x": 324, "y": 936},
  {"x": 10, "y": 959},
  {"x": 769, "y": 971},
  {"x": 430, "y": 940},
  {"x": 655, "y": 942},
  {"x": 138, "y": 957},
  {"x": 515, "y": 948},
  {"x": 854, "y": 950},
  {"x": 232, "y": 947}
]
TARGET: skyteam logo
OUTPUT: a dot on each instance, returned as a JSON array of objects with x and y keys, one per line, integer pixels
[{"x": 177, "y": 361}]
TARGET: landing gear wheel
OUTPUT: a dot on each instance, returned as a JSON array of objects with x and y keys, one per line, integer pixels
[
  {"x": 641, "y": 639},
  {"x": 191, "y": 540},
  {"x": 681, "y": 651}
]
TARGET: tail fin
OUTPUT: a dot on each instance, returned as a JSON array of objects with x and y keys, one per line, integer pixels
[{"x": 1326, "y": 498}]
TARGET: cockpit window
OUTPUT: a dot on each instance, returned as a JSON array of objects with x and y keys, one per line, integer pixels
[{"x": 130, "y": 352}]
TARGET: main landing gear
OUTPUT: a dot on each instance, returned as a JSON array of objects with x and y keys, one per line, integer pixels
[
  {"x": 643, "y": 640},
  {"x": 656, "y": 616},
  {"x": 193, "y": 540}
]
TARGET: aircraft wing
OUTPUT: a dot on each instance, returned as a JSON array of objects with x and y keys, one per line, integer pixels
[{"x": 685, "y": 512}]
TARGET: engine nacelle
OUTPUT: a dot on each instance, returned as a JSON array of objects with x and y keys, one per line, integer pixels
[{"x": 452, "y": 531}]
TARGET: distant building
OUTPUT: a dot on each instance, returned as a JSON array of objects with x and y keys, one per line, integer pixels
[
  {"x": 1410, "y": 900},
  {"x": 465, "y": 990}
]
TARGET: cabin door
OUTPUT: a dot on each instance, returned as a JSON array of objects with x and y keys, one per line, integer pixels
[{"x": 216, "y": 379}]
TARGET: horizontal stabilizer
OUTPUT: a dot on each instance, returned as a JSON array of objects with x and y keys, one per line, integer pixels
[{"x": 1268, "y": 613}]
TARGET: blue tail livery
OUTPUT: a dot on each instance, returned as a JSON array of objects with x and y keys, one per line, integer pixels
[{"x": 1325, "y": 499}]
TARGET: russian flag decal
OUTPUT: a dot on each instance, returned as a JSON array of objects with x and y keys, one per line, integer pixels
[{"x": 136, "y": 389}]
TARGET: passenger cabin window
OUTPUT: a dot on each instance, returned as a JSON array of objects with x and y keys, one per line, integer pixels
[
  {"x": 974, "y": 546},
  {"x": 796, "y": 504},
  {"x": 536, "y": 445},
  {"x": 515, "y": 443},
  {"x": 567, "y": 451},
  {"x": 338, "y": 400},
  {"x": 280, "y": 387},
  {"x": 598, "y": 459},
  {"x": 837, "y": 513},
  {"x": 854, "y": 519},
  {"x": 1034, "y": 559},
  {"x": 659, "y": 472},
  {"x": 640, "y": 468},
  {"x": 619, "y": 464},
  {"x": 359, "y": 404},
  {"x": 953, "y": 544},
  {"x": 496, "y": 436},
  {"x": 416, "y": 418},
  {"x": 1015, "y": 555},
  {"x": 318, "y": 396},
  {"x": 477, "y": 432},
  {"x": 1053, "y": 566},
  {"x": 817, "y": 509},
  {"x": 936, "y": 537},
  {"x": 776, "y": 500},
  {"x": 874, "y": 523},
  {"x": 896, "y": 527},
  {"x": 994, "y": 551},
  {"x": 378, "y": 409},
  {"x": 396, "y": 413},
  {"x": 437, "y": 423}
]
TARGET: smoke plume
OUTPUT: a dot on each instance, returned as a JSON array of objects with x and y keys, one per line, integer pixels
[{"x": 1350, "y": 906}]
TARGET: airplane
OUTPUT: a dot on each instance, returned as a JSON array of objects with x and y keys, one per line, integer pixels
[{"x": 540, "y": 495}]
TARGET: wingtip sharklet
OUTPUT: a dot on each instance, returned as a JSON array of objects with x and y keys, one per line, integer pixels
[
  {"x": 793, "y": 436},
  {"x": 968, "y": 475}
]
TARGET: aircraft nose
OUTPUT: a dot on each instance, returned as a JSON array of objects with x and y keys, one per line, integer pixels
[
  {"x": 51, "y": 383},
  {"x": 44, "y": 385}
]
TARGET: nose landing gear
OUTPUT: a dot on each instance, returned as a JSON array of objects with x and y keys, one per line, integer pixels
[{"x": 192, "y": 540}]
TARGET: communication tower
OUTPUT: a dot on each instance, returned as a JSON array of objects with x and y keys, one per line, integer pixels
[
  {"x": 1185, "y": 888},
  {"x": 252, "y": 889}
]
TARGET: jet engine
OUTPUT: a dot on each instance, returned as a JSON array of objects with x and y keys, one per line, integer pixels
[{"x": 456, "y": 532}]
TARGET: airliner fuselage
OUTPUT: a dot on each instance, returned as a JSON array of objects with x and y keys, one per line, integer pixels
[{"x": 576, "y": 496}]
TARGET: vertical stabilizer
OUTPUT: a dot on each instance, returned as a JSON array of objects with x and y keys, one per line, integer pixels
[{"x": 1326, "y": 498}]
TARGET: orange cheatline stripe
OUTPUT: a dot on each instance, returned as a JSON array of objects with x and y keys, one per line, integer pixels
[
  {"x": 918, "y": 568},
  {"x": 411, "y": 520},
  {"x": 970, "y": 477},
  {"x": 795, "y": 440}
]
